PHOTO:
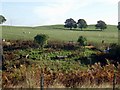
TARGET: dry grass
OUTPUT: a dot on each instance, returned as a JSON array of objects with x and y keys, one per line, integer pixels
[{"x": 31, "y": 78}]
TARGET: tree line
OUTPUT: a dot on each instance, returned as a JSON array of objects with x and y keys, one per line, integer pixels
[
  {"x": 71, "y": 23},
  {"x": 81, "y": 23}
]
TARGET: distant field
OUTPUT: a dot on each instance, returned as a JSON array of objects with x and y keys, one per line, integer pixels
[{"x": 58, "y": 32}]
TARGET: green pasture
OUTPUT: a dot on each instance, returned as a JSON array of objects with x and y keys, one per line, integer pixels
[{"x": 58, "y": 32}]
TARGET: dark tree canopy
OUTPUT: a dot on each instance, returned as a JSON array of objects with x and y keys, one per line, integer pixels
[
  {"x": 101, "y": 25},
  {"x": 2, "y": 19},
  {"x": 82, "y": 23},
  {"x": 70, "y": 23},
  {"x": 118, "y": 26}
]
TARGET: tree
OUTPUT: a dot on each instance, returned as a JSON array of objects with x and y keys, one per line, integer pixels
[
  {"x": 82, "y": 41},
  {"x": 82, "y": 23},
  {"x": 70, "y": 23},
  {"x": 101, "y": 25},
  {"x": 41, "y": 39},
  {"x": 2, "y": 19},
  {"x": 118, "y": 26}
]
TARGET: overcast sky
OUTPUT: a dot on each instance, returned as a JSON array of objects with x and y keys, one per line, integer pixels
[{"x": 48, "y": 12}]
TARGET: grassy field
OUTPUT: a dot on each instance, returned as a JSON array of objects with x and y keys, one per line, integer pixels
[{"x": 58, "y": 32}]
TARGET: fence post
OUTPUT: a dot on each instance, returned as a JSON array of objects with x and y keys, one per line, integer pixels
[
  {"x": 42, "y": 81},
  {"x": 114, "y": 81}
]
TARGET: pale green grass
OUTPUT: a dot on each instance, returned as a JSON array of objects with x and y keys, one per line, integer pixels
[{"x": 58, "y": 32}]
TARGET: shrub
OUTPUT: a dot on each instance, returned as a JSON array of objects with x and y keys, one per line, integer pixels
[
  {"x": 41, "y": 39},
  {"x": 82, "y": 41},
  {"x": 114, "y": 52}
]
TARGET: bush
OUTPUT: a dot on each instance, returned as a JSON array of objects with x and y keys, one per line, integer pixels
[
  {"x": 41, "y": 39},
  {"x": 114, "y": 52},
  {"x": 82, "y": 41}
]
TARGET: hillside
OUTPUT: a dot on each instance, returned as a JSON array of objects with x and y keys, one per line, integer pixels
[{"x": 58, "y": 32}]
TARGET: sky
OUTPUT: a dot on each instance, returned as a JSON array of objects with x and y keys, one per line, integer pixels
[{"x": 50, "y": 12}]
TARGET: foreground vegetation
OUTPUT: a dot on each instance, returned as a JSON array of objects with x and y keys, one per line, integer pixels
[{"x": 60, "y": 65}]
